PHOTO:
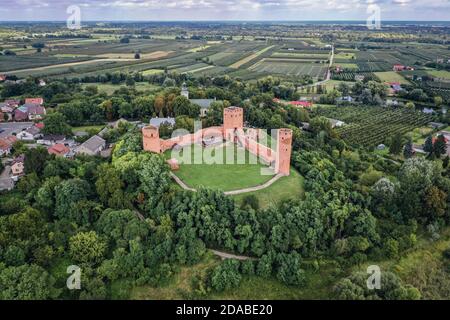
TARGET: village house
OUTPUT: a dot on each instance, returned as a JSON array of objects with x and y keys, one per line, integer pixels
[
  {"x": 18, "y": 166},
  {"x": 398, "y": 67},
  {"x": 51, "y": 139},
  {"x": 36, "y": 112},
  {"x": 39, "y": 101},
  {"x": 20, "y": 114},
  {"x": 336, "y": 123},
  {"x": 157, "y": 122},
  {"x": 6, "y": 145},
  {"x": 92, "y": 147},
  {"x": 25, "y": 136},
  {"x": 59, "y": 150}
]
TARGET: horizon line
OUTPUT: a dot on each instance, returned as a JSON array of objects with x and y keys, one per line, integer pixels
[{"x": 229, "y": 20}]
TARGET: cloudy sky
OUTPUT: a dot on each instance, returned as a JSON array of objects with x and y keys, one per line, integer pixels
[{"x": 224, "y": 9}]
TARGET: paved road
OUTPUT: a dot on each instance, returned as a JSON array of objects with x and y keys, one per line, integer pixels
[{"x": 13, "y": 127}]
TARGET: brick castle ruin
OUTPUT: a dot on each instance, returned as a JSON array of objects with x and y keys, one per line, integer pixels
[{"x": 231, "y": 130}]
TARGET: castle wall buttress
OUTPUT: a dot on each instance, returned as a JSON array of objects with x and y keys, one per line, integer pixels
[{"x": 284, "y": 150}]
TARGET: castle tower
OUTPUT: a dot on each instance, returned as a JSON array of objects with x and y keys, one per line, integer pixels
[
  {"x": 233, "y": 118},
  {"x": 284, "y": 149},
  {"x": 184, "y": 90},
  {"x": 150, "y": 137}
]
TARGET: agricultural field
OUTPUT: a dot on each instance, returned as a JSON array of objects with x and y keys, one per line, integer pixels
[
  {"x": 441, "y": 74},
  {"x": 391, "y": 76},
  {"x": 290, "y": 67},
  {"x": 369, "y": 127}
]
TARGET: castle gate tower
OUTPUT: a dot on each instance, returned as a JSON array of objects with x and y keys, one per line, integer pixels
[
  {"x": 150, "y": 137},
  {"x": 233, "y": 119}
]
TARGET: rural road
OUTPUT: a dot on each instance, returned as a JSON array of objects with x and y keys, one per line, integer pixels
[{"x": 328, "y": 78}]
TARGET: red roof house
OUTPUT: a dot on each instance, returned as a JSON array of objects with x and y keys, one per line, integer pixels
[
  {"x": 304, "y": 104},
  {"x": 59, "y": 150},
  {"x": 2, "y": 77},
  {"x": 399, "y": 67},
  {"x": 34, "y": 101},
  {"x": 39, "y": 125}
]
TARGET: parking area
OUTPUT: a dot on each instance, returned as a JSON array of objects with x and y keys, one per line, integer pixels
[{"x": 8, "y": 128}]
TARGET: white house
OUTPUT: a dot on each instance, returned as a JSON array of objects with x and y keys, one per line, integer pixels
[{"x": 25, "y": 136}]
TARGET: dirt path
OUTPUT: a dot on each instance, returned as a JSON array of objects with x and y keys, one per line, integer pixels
[
  {"x": 225, "y": 255},
  {"x": 234, "y": 192}
]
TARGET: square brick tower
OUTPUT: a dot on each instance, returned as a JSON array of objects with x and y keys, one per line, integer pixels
[
  {"x": 284, "y": 150},
  {"x": 150, "y": 137},
  {"x": 233, "y": 118}
]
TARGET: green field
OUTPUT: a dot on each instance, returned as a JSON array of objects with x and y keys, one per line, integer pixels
[
  {"x": 226, "y": 177},
  {"x": 391, "y": 76},
  {"x": 439, "y": 74},
  {"x": 286, "y": 188}
]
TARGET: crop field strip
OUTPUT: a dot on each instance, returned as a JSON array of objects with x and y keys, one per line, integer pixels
[{"x": 371, "y": 126}]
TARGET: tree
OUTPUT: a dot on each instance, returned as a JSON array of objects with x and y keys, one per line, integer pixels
[
  {"x": 396, "y": 144},
  {"x": 56, "y": 123},
  {"x": 438, "y": 101},
  {"x": 391, "y": 288},
  {"x": 226, "y": 275},
  {"x": 26, "y": 282},
  {"x": 428, "y": 146},
  {"x": 87, "y": 247},
  {"x": 67, "y": 194},
  {"x": 435, "y": 202},
  {"x": 109, "y": 187},
  {"x": 410, "y": 105},
  {"x": 408, "y": 151},
  {"x": 440, "y": 146},
  {"x": 137, "y": 55},
  {"x": 35, "y": 160},
  {"x": 183, "y": 107},
  {"x": 289, "y": 271}
]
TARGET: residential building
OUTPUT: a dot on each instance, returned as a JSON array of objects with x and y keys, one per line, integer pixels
[
  {"x": 59, "y": 150},
  {"x": 92, "y": 147},
  {"x": 157, "y": 122},
  {"x": 38, "y": 101},
  {"x": 51, "y": 139},
  {"x": 18, "y": 166},
  {"x": 25, "y": 136}
]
